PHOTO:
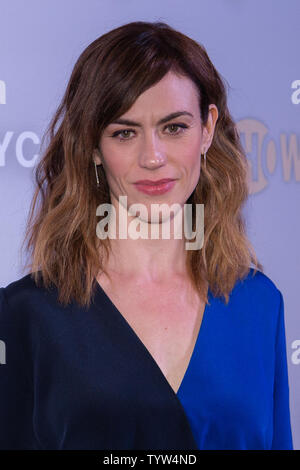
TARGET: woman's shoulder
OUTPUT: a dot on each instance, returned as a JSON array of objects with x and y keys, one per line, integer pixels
[
  {"x": 22, "y": 284},
  {"x": 258, "y": 293},
  {"x": 258, "y": 282},
  {"x": 20, "y": 289},
  {"x": 23, "y": 297}
]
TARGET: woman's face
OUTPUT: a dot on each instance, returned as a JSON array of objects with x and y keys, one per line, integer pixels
[{"x": 154, "y": 145}]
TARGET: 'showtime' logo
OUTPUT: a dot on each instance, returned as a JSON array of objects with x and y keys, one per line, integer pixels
[{"x": 264, "y": 154}]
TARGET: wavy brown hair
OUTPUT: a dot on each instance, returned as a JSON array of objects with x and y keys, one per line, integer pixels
[{"x": 108, "y": 77}]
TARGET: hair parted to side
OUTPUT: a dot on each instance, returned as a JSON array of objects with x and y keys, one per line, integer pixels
[{"x": 107, "y": 78}]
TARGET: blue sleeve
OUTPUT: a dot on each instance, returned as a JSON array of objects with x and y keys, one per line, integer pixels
[
  {"x": 16, "y": 398},
  {"x": 282, "y": 435}
]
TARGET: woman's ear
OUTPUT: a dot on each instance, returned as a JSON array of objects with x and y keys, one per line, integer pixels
[
  {"x": 209, "y": 129},
  {"x": 97, "y": 156}
]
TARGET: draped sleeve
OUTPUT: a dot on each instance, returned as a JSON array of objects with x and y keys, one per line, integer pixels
[
  {"x": 16, "y": 398},
  {"x": 282, "y": 436}
]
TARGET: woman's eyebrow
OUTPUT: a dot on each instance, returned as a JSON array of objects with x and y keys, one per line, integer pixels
[{"x": 128, "y": 122}]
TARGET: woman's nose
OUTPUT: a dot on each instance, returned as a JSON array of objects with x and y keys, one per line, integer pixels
[{"x": 152, "y": 153}]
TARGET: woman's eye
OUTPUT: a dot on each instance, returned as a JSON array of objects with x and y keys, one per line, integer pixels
[
  {"x": 124, "y": 134},
  {"x": 171, "y": 126}
]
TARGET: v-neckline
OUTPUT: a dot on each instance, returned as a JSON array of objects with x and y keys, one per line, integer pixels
[{"x": 146, "y": 351}]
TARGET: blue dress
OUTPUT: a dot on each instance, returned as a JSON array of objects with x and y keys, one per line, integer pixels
[{"x": 78, "y": 378}]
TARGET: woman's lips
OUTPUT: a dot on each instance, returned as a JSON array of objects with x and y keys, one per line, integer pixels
[{"x": 155, "y": 188}]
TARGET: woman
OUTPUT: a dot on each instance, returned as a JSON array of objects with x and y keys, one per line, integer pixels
[{"x": 140, "y": 343}]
